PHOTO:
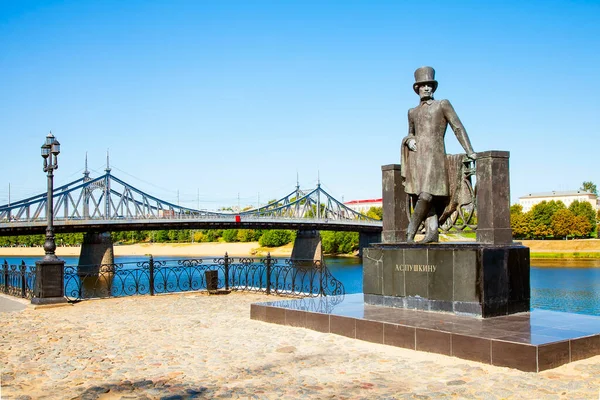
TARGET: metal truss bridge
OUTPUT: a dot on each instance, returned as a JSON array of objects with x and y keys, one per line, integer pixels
[{"x": 108, "y": 203}]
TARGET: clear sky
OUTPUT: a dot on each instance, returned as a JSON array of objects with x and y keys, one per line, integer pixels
[{"x": 228, "y": 98}]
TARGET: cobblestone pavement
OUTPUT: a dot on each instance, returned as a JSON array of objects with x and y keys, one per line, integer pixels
[{"x": 198, "y": 346}]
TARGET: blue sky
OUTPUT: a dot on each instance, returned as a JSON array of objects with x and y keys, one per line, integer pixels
[{"x": 236, "y": 98}]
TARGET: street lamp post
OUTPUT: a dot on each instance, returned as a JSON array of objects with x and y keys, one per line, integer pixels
[
  {"x": 50, "y": 152},
  {"x": 49, "y": 283}
]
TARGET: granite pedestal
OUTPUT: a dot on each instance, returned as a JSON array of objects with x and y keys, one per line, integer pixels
[
  {"x": 531, "y": 341},
  {"x": 463, "y": 278}
]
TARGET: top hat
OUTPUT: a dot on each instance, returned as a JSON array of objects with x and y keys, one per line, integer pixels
[{"x": 424, "y": 75}]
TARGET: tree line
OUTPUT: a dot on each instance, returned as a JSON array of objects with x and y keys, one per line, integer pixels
[
  {"x": 267, "y": 238},
  {"x": 552, "y": 219}
]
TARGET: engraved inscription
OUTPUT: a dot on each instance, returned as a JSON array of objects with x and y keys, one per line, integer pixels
[{"x": 415, "y": 268}]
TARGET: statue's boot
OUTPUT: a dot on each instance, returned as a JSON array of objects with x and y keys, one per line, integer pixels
[
  {"x": 432, "y": 233},
  {"x": 418, "y": 215}
]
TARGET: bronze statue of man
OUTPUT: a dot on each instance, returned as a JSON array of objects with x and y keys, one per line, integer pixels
[{"x": 423, "y": 164}]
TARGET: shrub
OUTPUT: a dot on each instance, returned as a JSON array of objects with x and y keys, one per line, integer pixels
[
  {"x": 230, "y": 235},
  {"x": 339, "y": 242},
  {"x": 247, "y": 235},
  {"x": 275, "y": 237}
]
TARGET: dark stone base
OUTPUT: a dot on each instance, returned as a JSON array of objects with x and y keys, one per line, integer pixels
[
  {"x": 219, "y": 291},
  {"x": 462, "y": 278},
  {"x": 37, "y": 301},
  {"x": 532, "y": 341},
  {"x": 49, "y": 280},
  {"x": 420, "y": 303}
]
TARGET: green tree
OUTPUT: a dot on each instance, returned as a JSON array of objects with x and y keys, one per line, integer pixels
[
  {"x": 7, "y": 241},
  {"x": 584, "y": 209},
  {"x": 583, "y": 228},
  {"x": 563, "y": 223},
  {"x": 347, "y": 242},
  {"x": 522, "y": 225},
  {"x": 247, "y": 235},
  {"x": 212, "y": 235},
  {"x": 209, "y": 236},
  {"x": 161, "y": 236},
  {"x": 275, "y": 237},
  {"x": 172, "y": 235},
  {"x": 516, "y": 209},
  {"x": 230, "y": 235},
  {"x": 542, "y": 214},
  {"x": 375, "y": 213},
  {"x": 328, "y": 244},
  {"x": 117, "y": 237},
  {"x": 198, "y": 236},
  {"x": 184, "y": 236},
  {"x": 541, "y": 230},
  {"x": 69, "y": 239},
  {"x": 339, "y": 242},
  {"x": 589, "y": 187}
]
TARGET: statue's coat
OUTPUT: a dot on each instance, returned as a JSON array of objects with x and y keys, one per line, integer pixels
[{"x": 425, "y": 170}]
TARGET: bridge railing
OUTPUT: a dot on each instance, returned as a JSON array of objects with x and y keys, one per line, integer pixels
[
  {"x": 300, "y": 278},
  {"x": 231, "y": 218}
]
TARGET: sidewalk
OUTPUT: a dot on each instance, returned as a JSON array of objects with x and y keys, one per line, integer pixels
[
  {"x": 187, "y": 346},
  {"x": 10, "y": 304}
]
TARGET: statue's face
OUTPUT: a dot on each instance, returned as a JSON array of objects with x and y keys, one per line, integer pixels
[{"x": 426, "y": 92}]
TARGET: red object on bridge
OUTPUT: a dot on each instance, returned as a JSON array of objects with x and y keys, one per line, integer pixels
[{"x": 238, "y": 219}]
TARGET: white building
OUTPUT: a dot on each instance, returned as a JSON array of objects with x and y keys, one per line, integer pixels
[
  {"x": 362, "y": 206},
  {"x": 567, "y": 197}
]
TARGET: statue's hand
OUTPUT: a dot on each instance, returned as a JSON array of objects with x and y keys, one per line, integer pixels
[
  {"x": 412, "y": 144},
  {"x": 472, "y": 156}
]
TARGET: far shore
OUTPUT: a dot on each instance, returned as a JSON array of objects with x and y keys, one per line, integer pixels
[
  {"x": 540, "y": 249},
  {"x": 162, "y": 249}
]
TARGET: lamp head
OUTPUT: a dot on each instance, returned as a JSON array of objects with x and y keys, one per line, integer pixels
[
  {"x": 50, "y": 139},
  {"x": 55, "y": 148},
  {"x": 46, "y": 150}
]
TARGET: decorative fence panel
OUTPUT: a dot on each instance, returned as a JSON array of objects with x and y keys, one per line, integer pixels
[
  {"x": 17, "y": 280},
  {"x": 301, "y": 278},
  {"x": 267, "y": 275}
]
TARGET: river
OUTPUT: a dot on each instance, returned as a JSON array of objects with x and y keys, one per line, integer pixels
[{"x": 560, "y": 285}]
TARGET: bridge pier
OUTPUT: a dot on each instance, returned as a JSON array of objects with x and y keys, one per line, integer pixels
[
  {"x": 366, "y": 239},
  {"x": 96, "y": 249},
  {"x": 307, "y": 246},
  {"x": 95, "y": 267}
]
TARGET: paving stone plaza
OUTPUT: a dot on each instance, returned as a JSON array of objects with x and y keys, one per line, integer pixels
[{"x": 187, "y": 346}]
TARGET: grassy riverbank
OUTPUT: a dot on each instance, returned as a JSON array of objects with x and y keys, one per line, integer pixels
[
  {"x": 566, "y": 256},
  {"x": 580, "y": 249}
]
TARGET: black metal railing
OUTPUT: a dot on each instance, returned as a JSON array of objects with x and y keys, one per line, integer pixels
[
  {"x": 268, "y": 275},
  {"x": 17, "y": 280},
  {"x": 300, "y": 278}
]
